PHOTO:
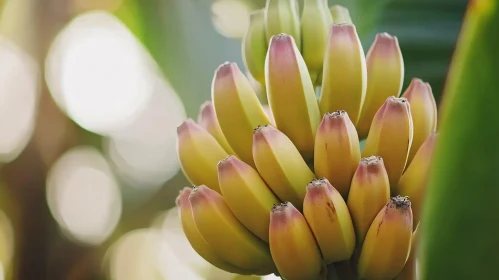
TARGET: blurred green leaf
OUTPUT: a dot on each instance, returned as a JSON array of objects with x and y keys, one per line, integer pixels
[{"x": 461, "y": 214}]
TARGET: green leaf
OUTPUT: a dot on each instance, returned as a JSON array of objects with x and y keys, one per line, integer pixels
[{"x": 460, "y": 226}]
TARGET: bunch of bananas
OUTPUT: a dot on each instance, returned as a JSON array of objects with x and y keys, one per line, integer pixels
[{"x": 285, "y": 188}]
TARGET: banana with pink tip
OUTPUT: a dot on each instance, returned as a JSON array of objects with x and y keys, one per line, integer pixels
[
  {"x": 388, "y": 241},
  {"x": 423, "y": 112},
  {"x": 198, "y": 154},
  {"x": 207, "y": 118},
  {"x": 390, "y": 137},
  {"x": 385, "y": 66},
  {"x": 291, "y": 94},
  {"x": 293, "y": 246},
  {"x": 223, "y": 232},
  {"x": 281, "y": 165},
  {"x": 327, "y": 214},
  {"x": 337, "y": 150},
  {"x": 247, "y": 195},
  {"x": 238, "y": 109},
  {"x": 196, "y": 240}
]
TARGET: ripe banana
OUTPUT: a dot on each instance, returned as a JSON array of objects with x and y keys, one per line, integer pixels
[
  {"x": 315, "y": 22},
  {"x": 391, "y": 136},
  {"x": 423, "y": 111},
  {"x": 288, "y": 82},
  {"x": 344, "y": 77},
  {"x": 198, "y": 154},
  {"x": 247, "y": 195},
  {"x": 292, "y": 244},
  {"x": 282, "y": 16},
  {"x": 388, "y": 241},
  {"x": 281, "y": 165},
  {"x": 327, "y": 214},
  {"x": 369, "y": 193},
  {"x": 238, "y": 109},
  {"x": 194, "y": 237},
  {"x": 414, "y": 180},
  {"x": 207, "y": 118},
  {"x": 254, "y": 46},
  {"x": 409, "y": 272},
  {"x": 385, "y": 66},
  {"x": 337, "y": 150},
  {"x": 340, "y": 14},
  {"x": 223, "y": 232}
]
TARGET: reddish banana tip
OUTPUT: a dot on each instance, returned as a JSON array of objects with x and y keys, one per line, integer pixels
[
  {"x": 318, "y": 188},
  {"x": 206, "y": 110},
  {"x": 188, "y": 124},
  {"x": 201, "y": 194},
  {"x": 399, "y": 202},
  {"x": 282, "y": 40},
  {"x": 342, "y": 30},
  {"x": 385, "y": 45},
  {"x": 334, "y": 120},
  {"x": 263, "y": 132},
  {"x": 182, "y": 199},
  {"x": 226, "y": 70},
  {"x": 281, "y": 53},
  {"x": 417, "y": 87},
  {"x": 229, "y": 163},
  {"x": 281, "y": 213}
]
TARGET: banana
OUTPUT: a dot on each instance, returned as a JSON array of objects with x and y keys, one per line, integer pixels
[
  {"x": 327, "y": 214},
  {"x": 340, "y": 14},
  {"x": 423, "y": 111},
  {"x": 409, "y": 272},
  {"x": 315, "y": 22},
  {"x": 369, "y": 193},
  {"x": 247, "y": 195},
  {"x": 390, "y": 137},
  {"x": 198, "y": 154},
  {"x": 238, "y": 109},
  {"x": 281, "y": 165},
  {"x": 254, "y": 46},
  {"x": 344, "y": 76},
  {"x": 223, "y": 232},
  {"x": 292, "y": 244},
  {"x": 194, "y": 237},
  {"x": 207, "y": 118},
  {"x": 385, "y": 66},
  {"x": 337, "y": 150},
  {"x": 414, "y": 180},
  {"x": 288, "y": 82},
  {"x": 388, "y": 241},
  {"x": 282, "y": 16}
]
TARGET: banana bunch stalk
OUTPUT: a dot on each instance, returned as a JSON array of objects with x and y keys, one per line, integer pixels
[{"x": 284, "y": 187}]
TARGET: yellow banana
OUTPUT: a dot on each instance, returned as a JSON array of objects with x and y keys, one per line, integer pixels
[
  {"x": 207, "y": 118},
  {"x": 247, "y": 195},
  {"x": 388, "y": 241},
  {"x": 282, "y": 16},
  {"x": 194, "y": 237},
  {"x": 414, "y": 180},
  {"x": 254, "y": 46},
  {"x": 288, "y": 82},
  {"x": 292, "y": 244},
  {"x": 281, "y": 165},
  {"x": 315, "y": 22},
  {"x": 327, "y": 214},
  {"x": 409, "y": 271},
  {"x": 238, "y": 109},
  {"x": 198, "y": 154},
  {"x": 340, "y": 14},
  {"x": 385, "y": 66},
  {"x": 391, "y": 136},
  {"x": 369, "y": 193},
  {"x": 223, "y": 232},
  {"x": 344, "y": 76},
  {"x": 423, "y": 111},
  {"x": 337, "y": 150}
]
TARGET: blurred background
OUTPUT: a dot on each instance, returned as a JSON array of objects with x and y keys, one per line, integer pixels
[{"x": 91, "y": 93}]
